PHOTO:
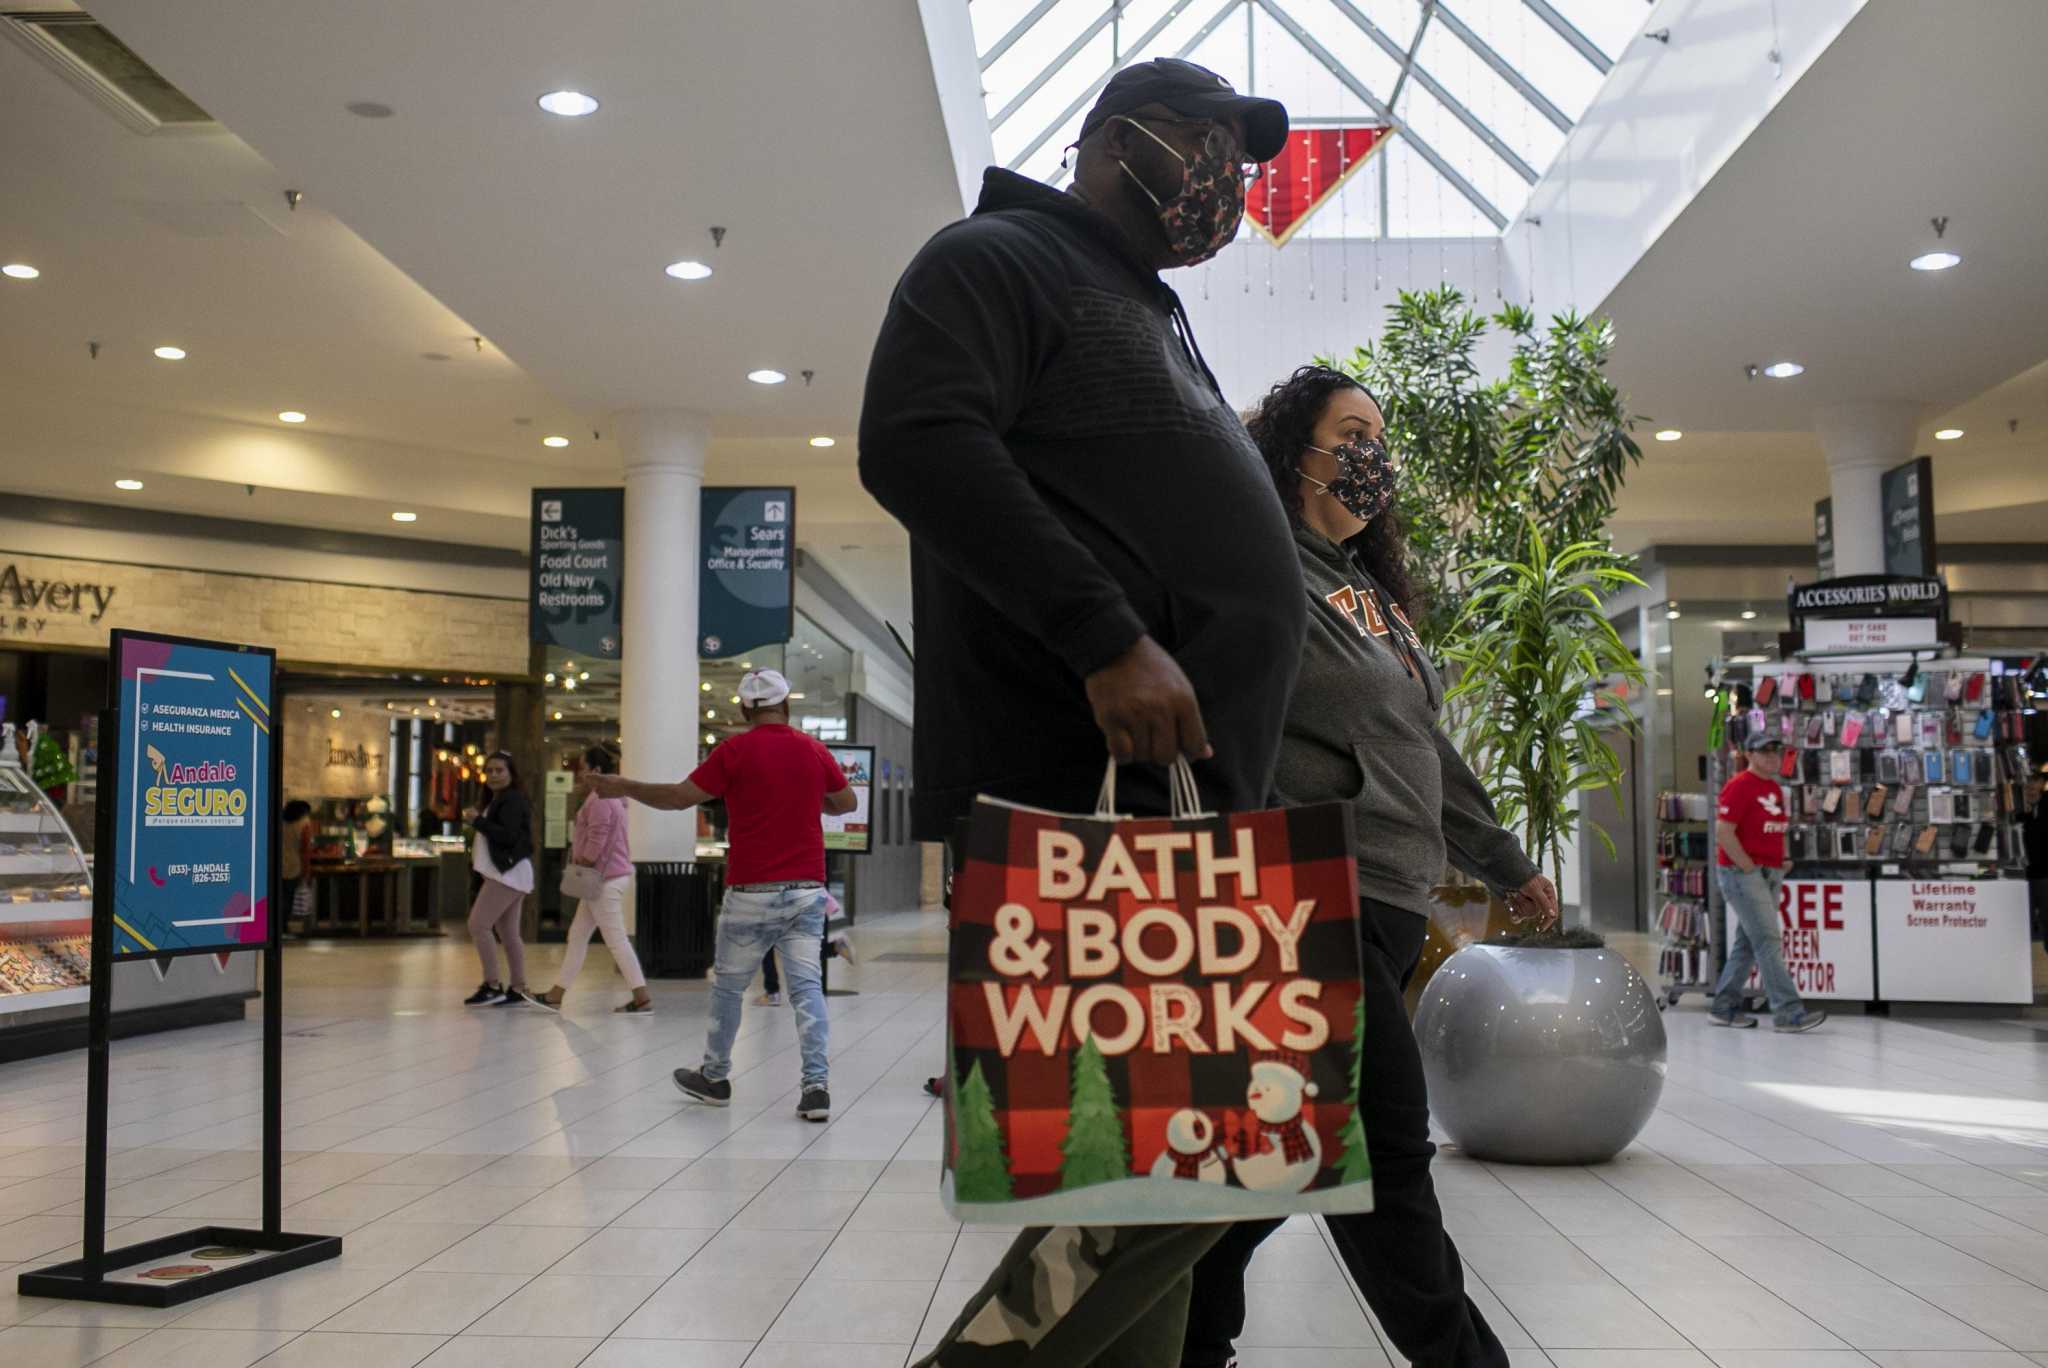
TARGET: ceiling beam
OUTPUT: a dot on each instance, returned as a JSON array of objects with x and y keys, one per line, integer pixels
[
  {"x": 1414, "y": 46},
  {"x": 1564, "y": 28},
  {"x": 1504, "y": 69},
  {"x": 1018, "y": 30},
  {"x": 1095, "y": 86},
  {"x": 1055, "y": 66},
  {"x": 1472, "y": 122},
  {"x": 1379, "y": 107}
]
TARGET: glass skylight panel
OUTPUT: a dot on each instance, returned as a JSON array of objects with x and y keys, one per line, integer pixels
[{"x": 1483, "y": 92}]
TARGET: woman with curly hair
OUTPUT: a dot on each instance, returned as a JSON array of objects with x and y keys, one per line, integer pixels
[{"x": 1363, "y": 727}]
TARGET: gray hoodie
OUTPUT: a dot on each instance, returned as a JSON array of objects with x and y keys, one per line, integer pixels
[{"x": 1363, "y": 727}]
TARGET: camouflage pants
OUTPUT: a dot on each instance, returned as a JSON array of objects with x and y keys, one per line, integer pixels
[{"x": 1074, "y": 1296}]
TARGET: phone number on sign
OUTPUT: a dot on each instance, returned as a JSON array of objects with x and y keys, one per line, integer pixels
[{"x": 203, "y": 873}]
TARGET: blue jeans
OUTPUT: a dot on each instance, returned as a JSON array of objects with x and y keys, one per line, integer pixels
[
  {"x": 1753, "y": 898},
  {"x": 792, "y": 923}
]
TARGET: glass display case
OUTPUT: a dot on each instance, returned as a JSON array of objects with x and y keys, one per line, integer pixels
[{"x": 45, "y": 898}]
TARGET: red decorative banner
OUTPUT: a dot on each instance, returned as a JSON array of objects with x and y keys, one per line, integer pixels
[{"x": 1313, "y": 166}]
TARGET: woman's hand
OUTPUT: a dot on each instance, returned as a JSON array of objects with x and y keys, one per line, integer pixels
[{"x": 1535, "y": 901}]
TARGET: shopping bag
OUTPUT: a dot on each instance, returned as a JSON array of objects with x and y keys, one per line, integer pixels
[{"x": 1154, "y": 1019}]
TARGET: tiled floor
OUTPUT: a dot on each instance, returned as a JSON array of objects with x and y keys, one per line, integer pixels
[{"x": 526, "y": 1191}]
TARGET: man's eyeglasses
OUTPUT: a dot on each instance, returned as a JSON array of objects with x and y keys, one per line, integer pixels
[{"x": 1217, "y": 143}]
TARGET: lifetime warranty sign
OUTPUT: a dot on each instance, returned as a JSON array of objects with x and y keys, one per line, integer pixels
[{"x": 1871, "y": 596}]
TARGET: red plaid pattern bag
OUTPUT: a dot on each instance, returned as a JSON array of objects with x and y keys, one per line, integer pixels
[{"x": 1154, "y": 1019}]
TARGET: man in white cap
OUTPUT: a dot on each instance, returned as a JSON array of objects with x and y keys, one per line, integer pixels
[{"x": 775, "y": 780}]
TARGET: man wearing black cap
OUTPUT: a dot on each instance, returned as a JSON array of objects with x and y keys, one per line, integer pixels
[
  {"x": 1098, "y": 563},
  {"x": 1749, "y": 831}
]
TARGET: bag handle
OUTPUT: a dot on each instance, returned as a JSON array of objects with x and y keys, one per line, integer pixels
[{"x": 1184, "y": 793}]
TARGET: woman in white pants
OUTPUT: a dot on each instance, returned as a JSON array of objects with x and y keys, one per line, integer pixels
[{"x": 600, "y": 842}]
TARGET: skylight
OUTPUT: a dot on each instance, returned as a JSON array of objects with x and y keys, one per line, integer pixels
[{"x": 1481, "y": 93}]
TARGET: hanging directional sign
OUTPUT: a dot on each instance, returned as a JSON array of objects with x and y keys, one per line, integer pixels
[{"x": 1311, "y": 168}]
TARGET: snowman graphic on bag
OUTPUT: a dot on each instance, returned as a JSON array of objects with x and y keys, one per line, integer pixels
[
  {"x": 1192, "y": 1151},
  {"x": 1285, "y": 1153}
]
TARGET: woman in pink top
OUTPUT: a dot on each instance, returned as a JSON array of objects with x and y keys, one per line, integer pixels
[{"x": 600, "y": 841}]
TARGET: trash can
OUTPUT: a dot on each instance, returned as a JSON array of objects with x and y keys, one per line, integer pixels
[{"x": 675, "y": 911}]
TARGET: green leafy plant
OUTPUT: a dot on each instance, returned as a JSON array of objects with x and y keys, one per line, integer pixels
[
  {"x": 1546, "y": 447},
  {"x": 1535, "y": 650}
]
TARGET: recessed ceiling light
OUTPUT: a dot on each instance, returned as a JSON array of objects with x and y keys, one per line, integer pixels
[
  {"x": 823, "y": 442},
  {"x": 766, "y": 377},
  {"x": 1935, "y": 261},
  {"x": 570, "y": 104},
  {"x": 128, "y": 484},
  {"x": 1948, "y": 434},
  {"x": 554, "y": 441},
  {"x": 1749, "y": 615},
  {"x": 403, "y": 516},
  {"x": 291, "y": 416},
  {"x": 1669, "y": 435},
  {"x": 688, "y": 270},
  {"x": 15, "y": 270},
  {"x": 1672, "y": 613},
  {"x": 170, "y": 353},
  {"x": 1784, "y": 370},
  {"x": 368, "y": 109}
]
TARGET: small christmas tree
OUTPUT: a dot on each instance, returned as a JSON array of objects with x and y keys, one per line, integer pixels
[
  {"x": 1355, "y": 1166},
  {"x": 1094, "y": 1150},
  {"x": 981, "y": 1171}
]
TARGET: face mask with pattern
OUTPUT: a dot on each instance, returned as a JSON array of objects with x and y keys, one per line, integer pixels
[
  {"x": 1203, "y": 217},
  {"x": 1365, "y": 478}
]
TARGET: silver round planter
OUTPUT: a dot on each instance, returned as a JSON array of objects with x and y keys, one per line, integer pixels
[{"x": 1540, "y": 1056}]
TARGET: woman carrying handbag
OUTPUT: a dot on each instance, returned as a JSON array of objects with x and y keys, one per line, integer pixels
[
  {"x": 600, "y": 865},
  {"x": 503, "y": 856}
]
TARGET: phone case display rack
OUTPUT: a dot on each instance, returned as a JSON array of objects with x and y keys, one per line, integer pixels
[
  {"x": 45, "y": 898},
  {"x": 1685, "y": 848},
  {"x": 1919, "y": 768}
]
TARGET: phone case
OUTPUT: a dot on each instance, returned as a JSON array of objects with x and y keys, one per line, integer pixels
[
  {"x": 1852, "y": 728},
  {"x": 1866, "y": 692},
  {"x": 1847, "y": 844},
  {"x": 1941, "y": 806},
  {"x": 1952, "y": 728},
  {"x": 1986, "y": 834},
  {"x": 1985, "y": 721},
  {"x": 1788, "y": 728},
  {"x": 1934, "y": 771},
  {"x": 1873, "y": 846},
  {"x": 1809, "y": 766},
  {"x": 1966, "y": 807},
  {"x": 1917, "y": 690},
  {"x": 1832, "y": 803},
  {"x": 1902, "y": 801},
  {"x": 1954, "y": 692},
  {"x": 1813, "y": 730},
  {"x": 1874, "y": 808},
  {"x": 1974, "y": 690},
  {"x": 1766, "y": 690},
  {"x": 1959, "y": 842},
  {"x": 1924, "y": 844},
  {"x": 1806, "y": 688},
  {"x": 1888, "y": 768},
  {"x": 1809, "y": 802},
  {"x": 1930, "y": 729},
  {"x": 1901, "y": 840},
  {"x": 1902, "y": 728},
  {"x": 1795, "y": 843},
  {"x": 1841, "y": 766},
  {"x": 1788, "y": 765},
  {"x": 1824, "y": 688},
  {"x": 1959, "y": 767}
]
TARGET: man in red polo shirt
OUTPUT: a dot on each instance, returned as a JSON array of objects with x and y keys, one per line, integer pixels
[
  {"x": 1751, "y": 838},
  {"x": 775, "y": 780}
]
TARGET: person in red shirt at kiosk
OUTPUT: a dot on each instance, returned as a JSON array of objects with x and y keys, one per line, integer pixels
[
  {"x": 1751, "y": 838},
  {"x": 775, "y": 780}
]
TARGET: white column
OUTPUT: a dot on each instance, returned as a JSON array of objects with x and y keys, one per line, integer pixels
[
  {"x": 659, "y": 696},
  {"x": 1862, "y": 441}
]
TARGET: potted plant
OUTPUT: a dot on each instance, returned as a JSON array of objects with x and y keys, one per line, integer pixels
[
  {"x": 1544, "y": 1047},
  {"x": 1508, "y": 485}
]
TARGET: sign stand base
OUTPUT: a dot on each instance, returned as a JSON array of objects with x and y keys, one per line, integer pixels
[{"x": 280, "y": 1253}]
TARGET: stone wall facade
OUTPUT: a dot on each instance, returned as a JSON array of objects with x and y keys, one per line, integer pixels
[{"x": 47, "y": 601}]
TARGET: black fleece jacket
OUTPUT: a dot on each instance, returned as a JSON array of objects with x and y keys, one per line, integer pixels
[
  {"x": 506, "y": 825},
  {"x": 1039, "y": 418}
]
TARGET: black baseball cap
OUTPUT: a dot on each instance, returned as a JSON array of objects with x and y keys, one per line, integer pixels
[
  {"x": 1196, "y": 92},
  {"x": 1764, "y": 740}
]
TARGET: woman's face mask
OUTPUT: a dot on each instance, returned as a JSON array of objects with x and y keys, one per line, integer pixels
[
  {"x": 1201, "y": 220},
  {"x": 1365, "y": 477}
]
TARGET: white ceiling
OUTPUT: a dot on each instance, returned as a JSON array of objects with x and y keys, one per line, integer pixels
[
  {"x": 1797, "y": 249},
  {"x": 471, "y": 213}
]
